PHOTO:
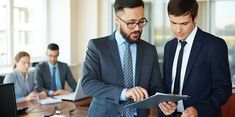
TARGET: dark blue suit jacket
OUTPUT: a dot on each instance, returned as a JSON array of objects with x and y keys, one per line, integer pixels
[
  {"x": 42, "y": 76},
  {"x": 103, "y": 77},
  {"x": 207, "y": 78}
]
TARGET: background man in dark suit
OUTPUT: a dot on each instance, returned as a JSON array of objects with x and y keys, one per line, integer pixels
[
  {"x": 50, "y": 76},
  {"x": 104, "y": 68},
  {"x": 204, "y": 72}
]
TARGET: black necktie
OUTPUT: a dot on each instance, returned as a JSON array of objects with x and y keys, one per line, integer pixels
[{"x": 178, "y": 69}]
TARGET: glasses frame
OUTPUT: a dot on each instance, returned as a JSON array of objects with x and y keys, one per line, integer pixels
[{"x": 145, "y": 22}]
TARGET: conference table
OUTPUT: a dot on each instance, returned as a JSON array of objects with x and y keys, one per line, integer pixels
[{"x": 78, "y": 108}]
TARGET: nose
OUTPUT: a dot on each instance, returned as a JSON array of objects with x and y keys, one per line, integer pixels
[
  {"x": 27, "y": 65},
  {"x": 137, "y": 27},
  {"x": 53, "y": 58},
  {"x": 178, "y": 28}
]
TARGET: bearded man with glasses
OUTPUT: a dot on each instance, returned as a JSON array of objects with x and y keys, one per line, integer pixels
[{"x": 121, "y": 68}]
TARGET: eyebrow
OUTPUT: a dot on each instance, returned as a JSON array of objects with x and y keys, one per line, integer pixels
[
  {"x": 178, "y": 23},
  {"x": 134, "y": 20}
]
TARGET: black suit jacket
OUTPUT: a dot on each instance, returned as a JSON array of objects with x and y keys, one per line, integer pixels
[
  {"x": 103, "y": 77},
  {"x": 207, "y": 78}
]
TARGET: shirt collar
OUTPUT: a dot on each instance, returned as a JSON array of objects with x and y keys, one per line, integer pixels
[
  {"x": 19, "y": 73},
  {"x": 51, "y": 65},
  {"x": 119, "y": 38},
  {"x": 192, "y": 35}
]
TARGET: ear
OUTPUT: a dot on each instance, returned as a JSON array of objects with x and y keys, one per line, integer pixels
[
  {"x": 117, "y": 21},
  {"x": 195, "y": 19}
]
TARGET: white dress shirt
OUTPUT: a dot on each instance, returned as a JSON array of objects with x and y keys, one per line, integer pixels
[{"x": 187, "y": 50}]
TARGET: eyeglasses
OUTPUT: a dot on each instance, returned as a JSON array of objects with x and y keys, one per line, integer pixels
[{"x": 131, "y": 25}]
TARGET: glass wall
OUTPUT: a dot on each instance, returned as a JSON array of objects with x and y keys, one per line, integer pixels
[{"x": 224, "y": 27}]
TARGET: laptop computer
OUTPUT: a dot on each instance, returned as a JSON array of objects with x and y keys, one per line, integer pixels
[
  {"x": 8, "y": 101},
  {"x": 73, "y": 96}
]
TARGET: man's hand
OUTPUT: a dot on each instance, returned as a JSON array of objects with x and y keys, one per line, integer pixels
[
  {"x": 136, "y": 93},
  {"x": 59, "y": 92},
  {"x": 31, "y": 96},
  {"x": 190, "y": 112},
  {"x": 42, "y": 95},
  {"x": 167, "y": 107}
]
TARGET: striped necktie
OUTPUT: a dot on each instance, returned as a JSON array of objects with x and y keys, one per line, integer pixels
[{"x": 128, "y": 79}]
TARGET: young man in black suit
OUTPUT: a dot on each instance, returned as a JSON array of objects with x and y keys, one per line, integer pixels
[{"x": 195, "y": 64}]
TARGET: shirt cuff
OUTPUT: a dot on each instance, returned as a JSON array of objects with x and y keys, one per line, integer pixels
[
  {"x": 21, "y": 99},
  {"x": 123, "y": 97},
  {"x": 50, "y": 93}
]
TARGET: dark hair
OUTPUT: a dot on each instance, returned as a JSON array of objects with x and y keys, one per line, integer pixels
[
  {"x": 53, "y": 46},
  {"x": 183, "y": 7},
  {"x": 119, "y": 5},
  {"x": 19, "y": 55}
]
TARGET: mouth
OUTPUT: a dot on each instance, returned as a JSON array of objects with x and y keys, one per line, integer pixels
[
  {"x": 179, "y": 35},
  {"x": 136, "y": 34}
]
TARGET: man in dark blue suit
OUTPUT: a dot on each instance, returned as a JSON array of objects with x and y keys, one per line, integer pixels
[
  {"x": 204, "y": 70},
  {"x": 50, "y": 76},
  {"x": 104, "y": 67}
]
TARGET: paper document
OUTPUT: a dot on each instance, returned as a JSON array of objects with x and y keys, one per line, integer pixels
[
  {"x": 154, "y": 100},
  {"x": 49, "y": 100}
]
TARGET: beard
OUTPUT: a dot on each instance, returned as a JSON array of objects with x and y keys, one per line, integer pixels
[{"x": 127, "y": 37}]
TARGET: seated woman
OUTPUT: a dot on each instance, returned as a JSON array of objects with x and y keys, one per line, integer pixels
[{"x": 22, "y": 79}]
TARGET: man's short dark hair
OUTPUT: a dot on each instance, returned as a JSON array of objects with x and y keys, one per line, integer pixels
[
  {"x": 119, "y": 5},
  {"x": 53, "y": 46},
  {"x": 183, "y": 7}
]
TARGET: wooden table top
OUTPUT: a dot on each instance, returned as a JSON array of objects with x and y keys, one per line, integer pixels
[{"x": 66, "y": 108}]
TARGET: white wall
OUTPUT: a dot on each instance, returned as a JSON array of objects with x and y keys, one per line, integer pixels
[
  {"x": 59, "y": 27},
  {"x": 72, "y": 23}
]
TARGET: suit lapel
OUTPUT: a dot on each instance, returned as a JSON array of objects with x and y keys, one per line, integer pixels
[
  {"x": 112, "y": 45},
  {"x": 139, "y": 61},
  {"x": 48, "y": 73},
  {"x": 171, "y": 60},
  {"x": 196, "y": 47}
]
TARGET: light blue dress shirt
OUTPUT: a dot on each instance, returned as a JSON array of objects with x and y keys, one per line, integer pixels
[
  {"x": 121, "y": 48},
  {"x": 57, "y": 75},
  {"x": 23, "y": 86}
]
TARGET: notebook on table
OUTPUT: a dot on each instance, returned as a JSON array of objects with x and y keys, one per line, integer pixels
[
  {"x": 73, "y": 96},
  {"x": 8, "y": 101}
]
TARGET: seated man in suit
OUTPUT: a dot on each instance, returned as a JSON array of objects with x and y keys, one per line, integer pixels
[{"x": 50, "y": 76}]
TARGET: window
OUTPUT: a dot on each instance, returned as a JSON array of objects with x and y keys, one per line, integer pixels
[
  {"x": 214, "y": 17},
  {"x": 3, "y": 33},
  {"x": 22, "y": 28},
  {"x": 161, "y": 26},
  {"x": 224, "y": 24}
]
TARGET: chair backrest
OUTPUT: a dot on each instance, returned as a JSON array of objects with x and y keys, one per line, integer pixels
[
  {"x": 7, "y": 100},
  {"x": 1, "y": 79}
]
